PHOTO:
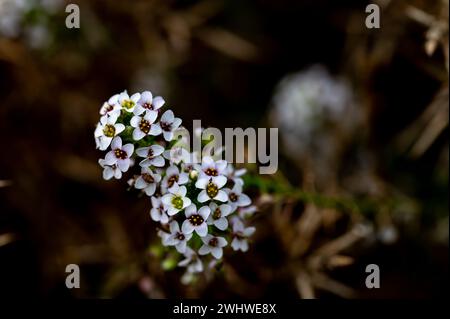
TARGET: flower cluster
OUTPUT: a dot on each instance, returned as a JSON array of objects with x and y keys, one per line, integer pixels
[{"x": 199, "y": 205}]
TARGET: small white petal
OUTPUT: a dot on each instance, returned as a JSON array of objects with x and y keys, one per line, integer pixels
[
  {"x": 140, "y": 183},
  {"x": 142, "y": 151},
  {"x": 151, "y": 116},
  {"x": 217, "y": 252},
  {"x": 158, "y": 102},
  {"x": 155, "y": 215},
  {"x": 150, "y": 189},
  {"x": 168, "y": 136},
  {"x": 244, "y": 200},
  {"x": 119, "y": 128},
  {"x": 221, "y": 223},
  {"x": 128, "y": 148},
  {"x": 203, "y": 197},
  {"x": 108, "y": 173},
  {"x": 221, "y": 196},
  {"x": 204, "y": 250},
  {"x": 187, "y": 227},
  {"x": 220, "y": 181},
  {"x": 190, "y": 210},
  {"x": 201, "y": 183},
  {"x": 116, "y": 143},
  {"x": 138, "y": 134},
  {"x": 167, "y": 116},
  {"x": 181, "y": 247},
  {"x": 174, "y": 227},
  {"x": 204, "y": 212},
  {"x": 123, "y": 164},
  {"x": 172, "y": 211},
  {"x": 167, "y": 199},
  {"x": 155, "y": 130},
  {"x": 202, "y": 230},
  {"x": 135, "y": 120},
  {"x": 222, "y": 242}
]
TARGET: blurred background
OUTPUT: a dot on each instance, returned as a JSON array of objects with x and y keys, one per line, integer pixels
[{"x": 363, "y": 123}]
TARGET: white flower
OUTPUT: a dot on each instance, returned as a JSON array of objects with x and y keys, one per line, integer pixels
[
  {"x": 158, "y": 211},
  {"x": 177, "y": 154},
  {"x": 119, "y": 155},
  {"x": 151, "y": 155},
  {"x": 213, "y": 245},
  {"x": 106, "y": 130},
  {"x": 176, "y": 200},
  {"x": 163, "y": 235},
  {"x": 128, "y": 103},
  {"x": 145, "y": 125},
  {"x": 211, "y": 189},
  {"x": 212, "y": 169},
  {"x": 110, "y": 170},
  {"x": 245, "y": 212},
  {"x": 218, "y": 215},
  {"x": 196, "y": 221},
  {"x": 169, "y": 123},
  {"x": 111, "y": 108},
  {"x": 235, "y": 174},
  {"x": 236, "y": 198},
  {"x": 240, "y": 235},
  {"x": 177, "y": 238},
  {"x": 192, "y": 261},
  {"x": 147, "y": 181},
  {"x": 148, "y": 103},
  {"x": 173, "y": 176}
]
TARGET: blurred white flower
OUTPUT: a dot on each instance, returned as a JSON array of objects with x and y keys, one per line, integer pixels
[
  {"x": 148, "y": 103},
  {"x": 106, "y": 130},
  {"x": 147, "y": 181},
  {"x": 176, "y": 199},
  {"x": 196, "y": 220},
  {"x": 212, "y": 245},
  {"x": 152, "y": 155},
  {"x": 158, "y": 211},
  {"x": 177, "y": 237},
  {"x": 119, "y": 155},
  {"x": 240, "y": 235},
  {"x": 169, "y": 123},
  {"x": 308, "y": 108},
  {"x": 218, "y": 215}
]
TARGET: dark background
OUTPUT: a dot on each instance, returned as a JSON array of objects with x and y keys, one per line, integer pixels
[{"x": 218, "y": 61}]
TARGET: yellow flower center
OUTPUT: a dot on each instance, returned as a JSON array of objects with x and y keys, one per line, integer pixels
[
  {"x": 212, "y": 190},
  {"x": 128, "y": 104},
  {"x": 177, "y": 202},
  {"x": 109, "y": 130}
]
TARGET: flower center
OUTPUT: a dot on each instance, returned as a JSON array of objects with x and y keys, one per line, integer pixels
[
  {"x": 217, "y": 213},
  {"x": 109, "y": 108},
  {"x": 177, "y": 202},
  {"x": 239, "y": 235},
  {"x": 150, "y": 153},
  {"x": 166, "y": 126},
  {"x": 233, "y": 197},
  {"x": 212, "y": 190},
  {"x": 120, "y": 154},
  {"x": 148, "y": 178},
  {"x": 211, "y": 172},
  {"x": 180, "y": 236},
  {"x": 172, "y": 180},
  {"x": 128, "y": 104},
  {"x": 144, "y": 126},
  {"x": 196, "y": 220},
  {"x": 213, "y": 242},
  {"x": 147, "y": 106},
  {"x": 109, "y": 130}
]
